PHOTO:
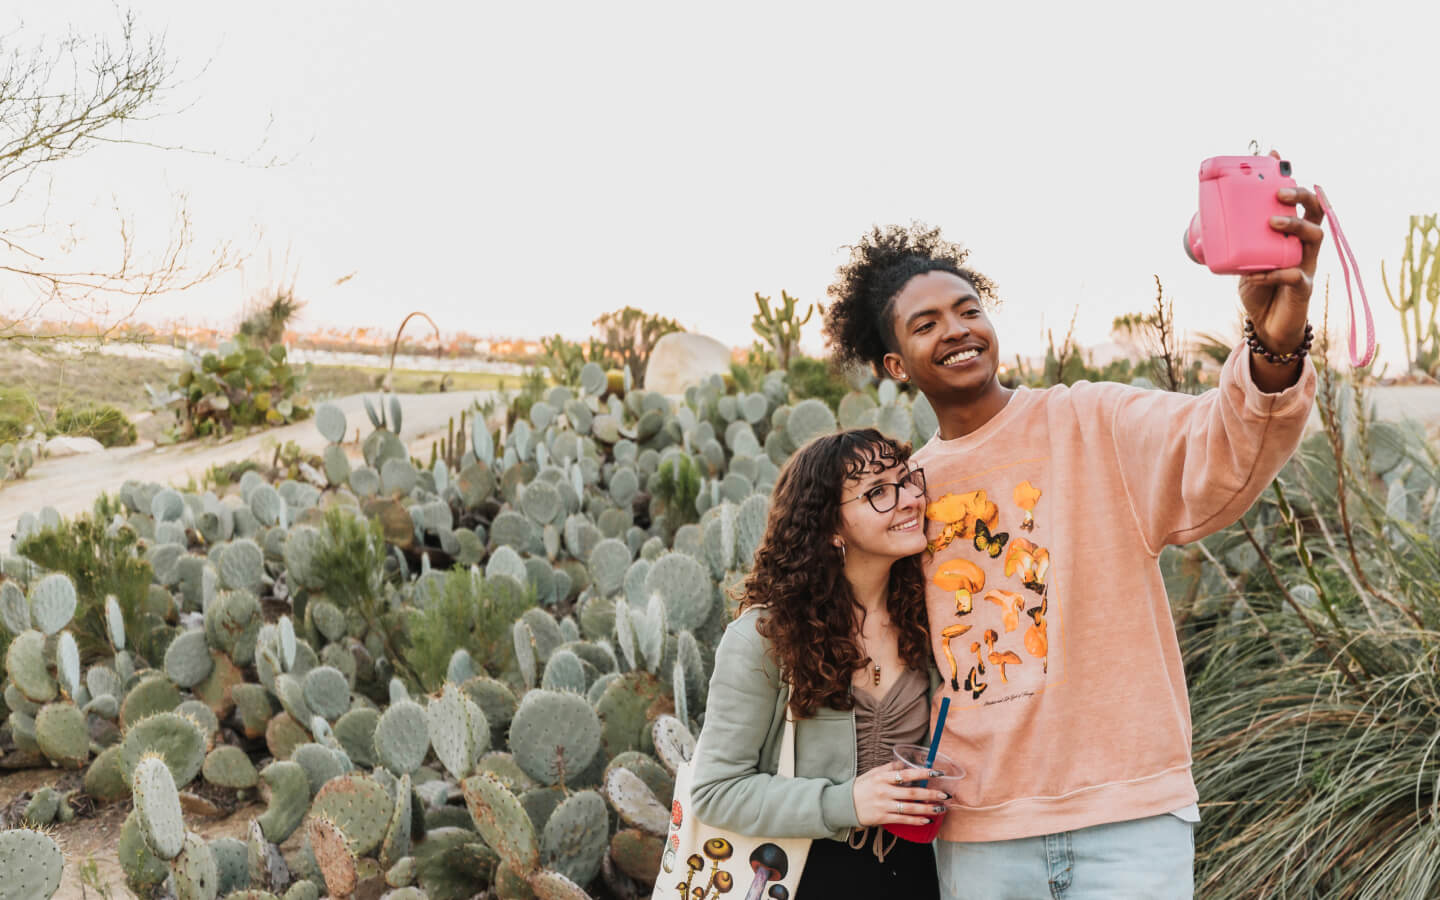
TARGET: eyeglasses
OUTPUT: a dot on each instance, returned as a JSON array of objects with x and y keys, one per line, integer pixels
[{"x": 883, "y": 497}]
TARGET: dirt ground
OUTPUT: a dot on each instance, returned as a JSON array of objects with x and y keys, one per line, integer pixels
[{"x": 91, "y": 839}]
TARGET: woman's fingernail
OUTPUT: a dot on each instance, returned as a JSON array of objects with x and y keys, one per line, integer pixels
[
  {"x": 936, "y": 773},
  {"x": 945, "y": 796},
  {"x": 1279, "y": 220},
  {"x": 937, "y": 809}
]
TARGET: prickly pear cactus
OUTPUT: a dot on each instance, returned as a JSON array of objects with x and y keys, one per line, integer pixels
[
  {"x": 359, "y": 806},
  {"x": 337, "y": 863},
  {"x": 32, "y": 864},
  {"x": 157, "y": 808},
  {"x": 554, "y": 735},
  {"x": 52, "y": 602},
  {"x": 194, "y": 871},
  {"x": 502, "y": 821},
  {"x": 402, "y": 737}
]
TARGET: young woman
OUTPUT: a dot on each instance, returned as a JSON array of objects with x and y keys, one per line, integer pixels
[
  {"x": 1048, "y": 511},
  {"x": 831, "y": 631}
]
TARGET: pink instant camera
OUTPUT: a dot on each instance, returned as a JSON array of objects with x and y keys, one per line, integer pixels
[{"x": 1231, "y": 233}]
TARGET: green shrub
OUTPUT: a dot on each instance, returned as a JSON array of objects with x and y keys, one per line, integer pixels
[
  {"x": 816, "y": 378},
  {"x": 103, "y": 422},
  {"x": 100, "y": 562},
  {"x": 17, "y": 413},
  {"x": 467, "y": 614}
]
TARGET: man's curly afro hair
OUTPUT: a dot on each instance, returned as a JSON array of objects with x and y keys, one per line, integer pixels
[{"x": 858, "y": 324}]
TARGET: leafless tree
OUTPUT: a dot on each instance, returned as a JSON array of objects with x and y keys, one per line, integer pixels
[{"x": 60, "y": 99}]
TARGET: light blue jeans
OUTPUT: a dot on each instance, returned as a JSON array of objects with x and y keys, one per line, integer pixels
[{"x": 1143, "y": 859}]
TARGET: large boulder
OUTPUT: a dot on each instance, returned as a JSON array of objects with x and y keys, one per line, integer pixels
[
  {"x": 69, "y": 445},
  {"x": 683, "y": 358}
]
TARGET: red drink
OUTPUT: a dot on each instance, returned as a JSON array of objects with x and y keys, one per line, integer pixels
[
  {"x": 920, "y": 834},
  {"x": 914, "y": 756}
]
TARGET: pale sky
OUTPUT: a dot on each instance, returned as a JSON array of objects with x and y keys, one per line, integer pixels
[{"x": 520, "y": 168}]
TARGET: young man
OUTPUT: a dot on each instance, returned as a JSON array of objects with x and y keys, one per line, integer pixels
[{"x": 1047, "y": 513}]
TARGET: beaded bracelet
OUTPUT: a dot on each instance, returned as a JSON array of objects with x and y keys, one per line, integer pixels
[{"x": 1252, "y": 341}]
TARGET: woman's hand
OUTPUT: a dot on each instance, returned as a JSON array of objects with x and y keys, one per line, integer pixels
[{"x": 882, "y": 797}]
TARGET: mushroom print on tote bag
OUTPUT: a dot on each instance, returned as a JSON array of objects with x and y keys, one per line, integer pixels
[{"x": 1000, "y": 644}]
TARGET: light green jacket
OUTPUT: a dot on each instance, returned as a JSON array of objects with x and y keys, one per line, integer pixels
[{"x": 735, "y": 786}]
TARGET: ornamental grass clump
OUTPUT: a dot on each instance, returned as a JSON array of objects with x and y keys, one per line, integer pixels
[{"x": 1309, "y": 633}]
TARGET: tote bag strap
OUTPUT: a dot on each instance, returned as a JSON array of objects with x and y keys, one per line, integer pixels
[{"x": 786, "y": 768}]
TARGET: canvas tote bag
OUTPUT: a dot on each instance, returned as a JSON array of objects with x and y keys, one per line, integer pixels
[{"x": 705, "y": 863}]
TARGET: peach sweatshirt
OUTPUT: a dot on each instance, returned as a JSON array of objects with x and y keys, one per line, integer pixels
[{"x": 1067, "y": 694}]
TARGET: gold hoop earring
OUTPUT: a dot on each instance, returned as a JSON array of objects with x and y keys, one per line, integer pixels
[{"x": 841, "y": 545}]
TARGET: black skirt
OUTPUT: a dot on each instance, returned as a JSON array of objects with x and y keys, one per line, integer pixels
[{"x": 838, "y": 869}]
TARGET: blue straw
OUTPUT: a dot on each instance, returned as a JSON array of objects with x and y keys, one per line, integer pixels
[{"x": 939, "y": 730}]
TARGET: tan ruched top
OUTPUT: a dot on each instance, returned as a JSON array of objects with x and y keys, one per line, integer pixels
[{"x": 902, "y": 716}]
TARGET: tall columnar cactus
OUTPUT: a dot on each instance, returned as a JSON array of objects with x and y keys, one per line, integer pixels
[{"x": 1416, "y": 296}]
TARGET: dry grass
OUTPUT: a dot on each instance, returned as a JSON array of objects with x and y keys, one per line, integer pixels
[{"x": 56, "y": 379}]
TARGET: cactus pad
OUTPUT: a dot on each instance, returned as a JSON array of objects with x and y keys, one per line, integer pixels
[
  {"x": 637, "y": 854},
  {"x": 501, "y": 821},
  {"x": 575, "y": 837},
  {"x": 454, "y": 722},
  {"x": 25, "y": 663},
  {"x": 635, "y": 802},
  {"x": 195, "y": 873},
  {"x": 153, "y": 695},
  {"x": 230, "y": 767},
  {"x": 187, "y": 659},
  {"x": 359, "y": 806},
  {"x": 336, "y": 862},
  {"x": 157, "y": 804},
  {"x": 319, "y": 762},
  {"x": 67, "y": 664},
  {"x": 61, "y": 732},
  {"x": 286, "y": 790},
  {"x": 327, "y": 692},
  {"x": 402, "y": 737},
  {"x": 14, "y": 608},
  {"x": 32, "y": 864},
  {"x": 174, "y": 737},
  {"x": 554, "y": 735},
  {"x": 356, "y": 733},
  {"x": 684, "y": 586}
]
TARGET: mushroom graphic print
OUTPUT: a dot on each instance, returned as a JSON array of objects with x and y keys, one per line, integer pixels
[
  {"x": 769, "y": 863},
  {"x": 997, "y": 557},
  {"x": 964, "y": 578}
]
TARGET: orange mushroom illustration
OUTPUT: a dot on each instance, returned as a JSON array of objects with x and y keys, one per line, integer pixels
[
  {"x": 1031, "y": 561},
  {"x": 1026, "y": 496},
  {"x": 964, "y": 578},
  {"x": 1037, "y": 641},
  {"x": 1011, "y": 604},
  {"x": 1005, "y": 658},
  {"x": 979, "y": 657},
  {"x": 947, "y": 635},
  {"x": 958, "y": 513}
]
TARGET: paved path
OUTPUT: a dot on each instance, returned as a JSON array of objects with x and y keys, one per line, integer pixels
[{"x": 72, "y": 483}]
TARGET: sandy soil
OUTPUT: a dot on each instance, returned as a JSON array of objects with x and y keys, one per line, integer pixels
[{"x": 92, "y": 838}]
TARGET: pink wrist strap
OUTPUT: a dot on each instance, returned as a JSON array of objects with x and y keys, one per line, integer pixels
[{"x": 1347, "y": 262}]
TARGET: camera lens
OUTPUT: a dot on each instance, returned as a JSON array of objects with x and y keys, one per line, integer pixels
[{"x": 1285, "y": 167}]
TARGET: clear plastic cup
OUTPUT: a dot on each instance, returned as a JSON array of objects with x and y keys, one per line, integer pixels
[{"x": 914, "y": 756}]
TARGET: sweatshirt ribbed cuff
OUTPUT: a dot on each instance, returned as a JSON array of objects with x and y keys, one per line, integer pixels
[
  {"x": 1282, "y": 404},
  {"x": 837, "y": 805}
]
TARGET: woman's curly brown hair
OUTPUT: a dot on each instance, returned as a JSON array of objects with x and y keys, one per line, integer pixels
[
  {"x": 799, "y": 575},
  {"x": 858, "y": 324}
]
